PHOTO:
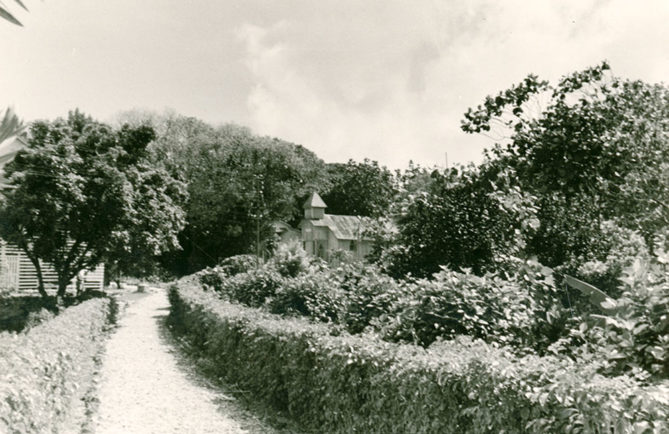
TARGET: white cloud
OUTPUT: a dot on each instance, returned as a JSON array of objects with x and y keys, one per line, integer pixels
[
  {"x": 391, "y": 80},
  {"x": 385, "y": 79}
]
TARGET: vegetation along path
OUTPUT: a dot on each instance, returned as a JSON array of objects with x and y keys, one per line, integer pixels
[{"x": 145, "y": 390}]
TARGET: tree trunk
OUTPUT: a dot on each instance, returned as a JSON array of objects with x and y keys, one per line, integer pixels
[
  {"x": 62, "y": 286},
  {"x": 40, "y": 278}
]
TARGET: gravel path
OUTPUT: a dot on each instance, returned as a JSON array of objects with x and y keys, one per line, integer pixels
[{"x": 143, "y": 389}]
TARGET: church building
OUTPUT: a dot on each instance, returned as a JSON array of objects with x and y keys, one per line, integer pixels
[{"x": 323, "y": 233}]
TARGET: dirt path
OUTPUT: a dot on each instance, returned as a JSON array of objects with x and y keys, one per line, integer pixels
[{"x": 144, "y": 390}]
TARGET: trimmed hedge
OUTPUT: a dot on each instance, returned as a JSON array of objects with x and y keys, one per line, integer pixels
[
  {"x": 344, "y": 384},
  {"x": 41, "y": 370}
]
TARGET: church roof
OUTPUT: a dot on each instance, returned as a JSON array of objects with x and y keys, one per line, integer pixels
[
  {"x": 344, "y": 227},
  {"x": 314, "y": 201}
]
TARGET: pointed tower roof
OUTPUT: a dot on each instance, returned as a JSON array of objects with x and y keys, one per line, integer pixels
[{"x": 314, "y": 201}]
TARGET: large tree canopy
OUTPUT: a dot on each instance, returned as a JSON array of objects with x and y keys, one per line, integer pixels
[
  {"x": 585, "y": 160},
  {"x": 467, "y": 218},
  {"x": 83, "y": 193},
  {"x": 594, "y": 150},
  {"x": 238, "y": 185},
  {"x": 593, "y": 138},
  {"x": 359, "y": 188},
  {"x": 240, "y": 189}
]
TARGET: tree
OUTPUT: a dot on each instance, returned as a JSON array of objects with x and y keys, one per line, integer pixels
[
  {"x": 239, "y": 189},
  {"x": 179, "y": 138},
  {"x": 84, "y": 193},
  {"x": 359, "y": 188},
  {"x": 593, "y": 143},
  {"x": 469, "y": 218},
  {"x": 238, "y": 185}
]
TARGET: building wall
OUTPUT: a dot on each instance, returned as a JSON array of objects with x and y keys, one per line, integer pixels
[
  {"x": 360, "y": 248},
  {"x": 315, "y": 239},
  {"x": 319, "y": 241},
  {"x": 18, "y": 272}
]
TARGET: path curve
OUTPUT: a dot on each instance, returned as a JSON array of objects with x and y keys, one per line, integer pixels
[{"x": 142, "y": 388}]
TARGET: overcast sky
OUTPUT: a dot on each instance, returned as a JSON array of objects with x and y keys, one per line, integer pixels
[{"x": 387, "y": 80}]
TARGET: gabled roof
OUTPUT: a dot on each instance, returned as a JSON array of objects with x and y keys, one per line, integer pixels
[
  {"x": 344, "y": 227},
  {"x": 314, "y": 201}
]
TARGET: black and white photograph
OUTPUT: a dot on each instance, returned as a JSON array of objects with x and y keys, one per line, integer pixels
[{"x": 334, "y": 216}]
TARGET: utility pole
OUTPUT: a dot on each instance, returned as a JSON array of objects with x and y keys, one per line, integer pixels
[{"x": 259, "y": 210}]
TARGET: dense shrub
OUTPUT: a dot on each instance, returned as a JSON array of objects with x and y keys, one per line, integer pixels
[
  {"x": 211, "y": 278},
  {"x": 614, "y": 249},
  {"x": 369, "y": 295},
  {"x": 41, "y": 370},
  {"x": 633, "y": 337},
  {"x": 520, "y": 309},
  {"x": 344, "y": 384},
  {"x": 253, "y": 287},
  {"x": 311, "y": 294},
  {"x": 238, "y": 264},
  {"x": 290, "y": 260}
]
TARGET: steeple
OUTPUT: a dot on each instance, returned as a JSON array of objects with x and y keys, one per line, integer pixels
[{"x": 314, "y": 207}]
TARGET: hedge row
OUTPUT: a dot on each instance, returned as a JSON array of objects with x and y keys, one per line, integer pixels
[
  {"x": 344, "y": 384},
  {"x": 41, "y": 371},
  {"x": 522, "y": 308}
]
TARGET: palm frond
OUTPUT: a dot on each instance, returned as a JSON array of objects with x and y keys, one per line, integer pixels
[
  {"x": 10, "y": 125},
  {"x": 6, "y": 15},
  {"x": 21, "y": 4}
]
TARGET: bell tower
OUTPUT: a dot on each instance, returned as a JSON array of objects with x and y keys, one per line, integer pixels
[{"x": 314, "y": 207}]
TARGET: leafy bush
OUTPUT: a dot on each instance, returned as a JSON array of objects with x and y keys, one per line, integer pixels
[
  {"x": 253, "y": 287},
  {"x": 238, "y": 264},
  {"x": 369, "y": 295},
  {"x": 520, "y": 310},
  {"x": 633, "y": 337},
  {"x": 614, "y": 250},
  {"x": 41, "y": 370},
  {"x": 290, "y": 260},
  {"x": 343, "y": 384},
  {"x": 312, "y": 294},
  {"x": 211, "y": 278}
]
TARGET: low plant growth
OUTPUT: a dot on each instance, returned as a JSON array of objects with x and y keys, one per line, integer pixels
[
  {"x": 520, "y": 309},
  {"x": 44, "y": 371},
  {"x": 335, "y": 382}
]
